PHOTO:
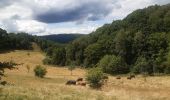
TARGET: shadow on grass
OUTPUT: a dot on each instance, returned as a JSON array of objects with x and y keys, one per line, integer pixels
[{"x": 6, "y": 51}]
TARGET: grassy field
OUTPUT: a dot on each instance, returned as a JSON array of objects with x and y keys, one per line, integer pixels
[{"x": 25, "y": 86}]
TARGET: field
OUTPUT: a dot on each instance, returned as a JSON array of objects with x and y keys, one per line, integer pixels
[{"x": 25, "y": 86}]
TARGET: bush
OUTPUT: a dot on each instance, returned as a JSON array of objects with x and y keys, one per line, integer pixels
[
  {"x": 40, "y": 71},
  {"x": 167, "y": 70},
  {"x": 47, "y": 61},
  {"x": 142, "y": 66},
  {"x": 71, "y": 67},
  {"x": 113, "y": 65},
  {"x": 95, "y": 77}
]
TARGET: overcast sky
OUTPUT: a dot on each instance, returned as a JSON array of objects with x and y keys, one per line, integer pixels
[{"x": 42, "y": 17}]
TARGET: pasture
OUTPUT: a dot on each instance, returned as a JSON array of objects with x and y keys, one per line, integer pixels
[{"x": 25, "y": 86}]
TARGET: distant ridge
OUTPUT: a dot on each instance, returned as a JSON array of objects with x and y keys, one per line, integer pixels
[{"x": 62, "y": 38}]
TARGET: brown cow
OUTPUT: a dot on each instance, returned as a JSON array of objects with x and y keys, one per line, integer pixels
[
  {"x": 79, "y": 79},
  {"x": 130, "y": 77},
  {"x": 3, "y": 83},
  {"x": 71, "y": 82},
  {"x": 118, "y": 77},
  {"x": 82, "y": 83}
]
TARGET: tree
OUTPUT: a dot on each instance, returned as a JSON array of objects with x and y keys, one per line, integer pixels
[
  {"x": 167, "y": 68},
  {"x": 71, "y": 67},
  {"x": 4, "y": 65},
  {"x": 59, "y": 56},
  {"x": 142, "y": 66},
  {"x": 113, "y": 65},
  {"x": 167, "y": 21},
  {"x": 28, "y": 68},
  {"x": 120, "y": 44},
  {"x": 95, "y": 77},
  {"x": 93, "y": 54},
  {"x": 40, "y": 71}
]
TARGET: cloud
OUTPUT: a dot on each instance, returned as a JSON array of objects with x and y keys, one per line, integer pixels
[
  {"x": 31, "y": 26},
  {"x": 161, "y": 2},
  {"x": 5, "y": 3},
  {"x": 91, "y": 10}
]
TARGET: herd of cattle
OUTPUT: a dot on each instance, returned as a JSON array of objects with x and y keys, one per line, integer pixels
[
  {"x": 81, "y": 82},
  {"x": 129, "y": 77}
]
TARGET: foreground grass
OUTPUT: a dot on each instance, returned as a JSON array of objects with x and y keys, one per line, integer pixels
[
  {"x": 25, "y": 86},
  {"x": 32, "y": 88}
]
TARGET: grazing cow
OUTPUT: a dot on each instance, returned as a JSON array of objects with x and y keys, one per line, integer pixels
[
  {"x": 129, "y": 78},
  {"x": 3, "y": 83},
  {"x": 71, "y": 82},
  {"x": 105, "y": 77},
  {"x": 82, "y": 83},
  {"x": 79, "y": 79},
  {"x": 118, "y": 77},
  {"x": 132, "y": 76}
]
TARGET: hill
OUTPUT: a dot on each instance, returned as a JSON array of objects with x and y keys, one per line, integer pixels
[
  {"x": 62, "y": 38},
  {"x": 139, "y": 44}
]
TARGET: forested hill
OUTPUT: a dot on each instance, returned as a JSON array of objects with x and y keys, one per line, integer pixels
[
  {"x": 139, "y": 43},
  {"x": 62, "y": 38}
]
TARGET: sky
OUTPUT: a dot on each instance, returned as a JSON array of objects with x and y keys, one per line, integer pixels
[{"x": 44, "y": 17}]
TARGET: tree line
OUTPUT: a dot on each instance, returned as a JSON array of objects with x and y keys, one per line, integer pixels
[{"x": 10, "y": 41}]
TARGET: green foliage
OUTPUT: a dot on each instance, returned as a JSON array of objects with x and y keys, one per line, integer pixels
[
  {"x": 120, "y": 44},
  {"x": 59, "y": 56},
  {"x": 6, "y": 65},
  {"x": 141, "y": 66},
  {"x": 47, "y": 61},
  {"x": 71, "y": 67},
  {"x": 95, "y": 77},
  {"x": 40, "y": 71},
  {"x": 93, "y": 53},
  {"x": 113, "y": 65},
  {"x": 10, "y": 41},
  {"x": 167, "y": 70}
]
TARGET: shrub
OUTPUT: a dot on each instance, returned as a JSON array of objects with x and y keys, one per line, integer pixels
[
  {"x": 71, "y": 67},
  {"x": 40, "y": 71},
  {"x": 47, "y": 61},
  {"x": 95, "y": 77},
  {"x": 167, "y": 70},
  {"x": 113, "y": 65},
  {"x": 28, "y": 68},
  {"x": 142, "y": 66}
]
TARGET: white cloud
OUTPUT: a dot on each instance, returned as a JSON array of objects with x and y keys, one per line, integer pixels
[{"x": 31, "y": 26}]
